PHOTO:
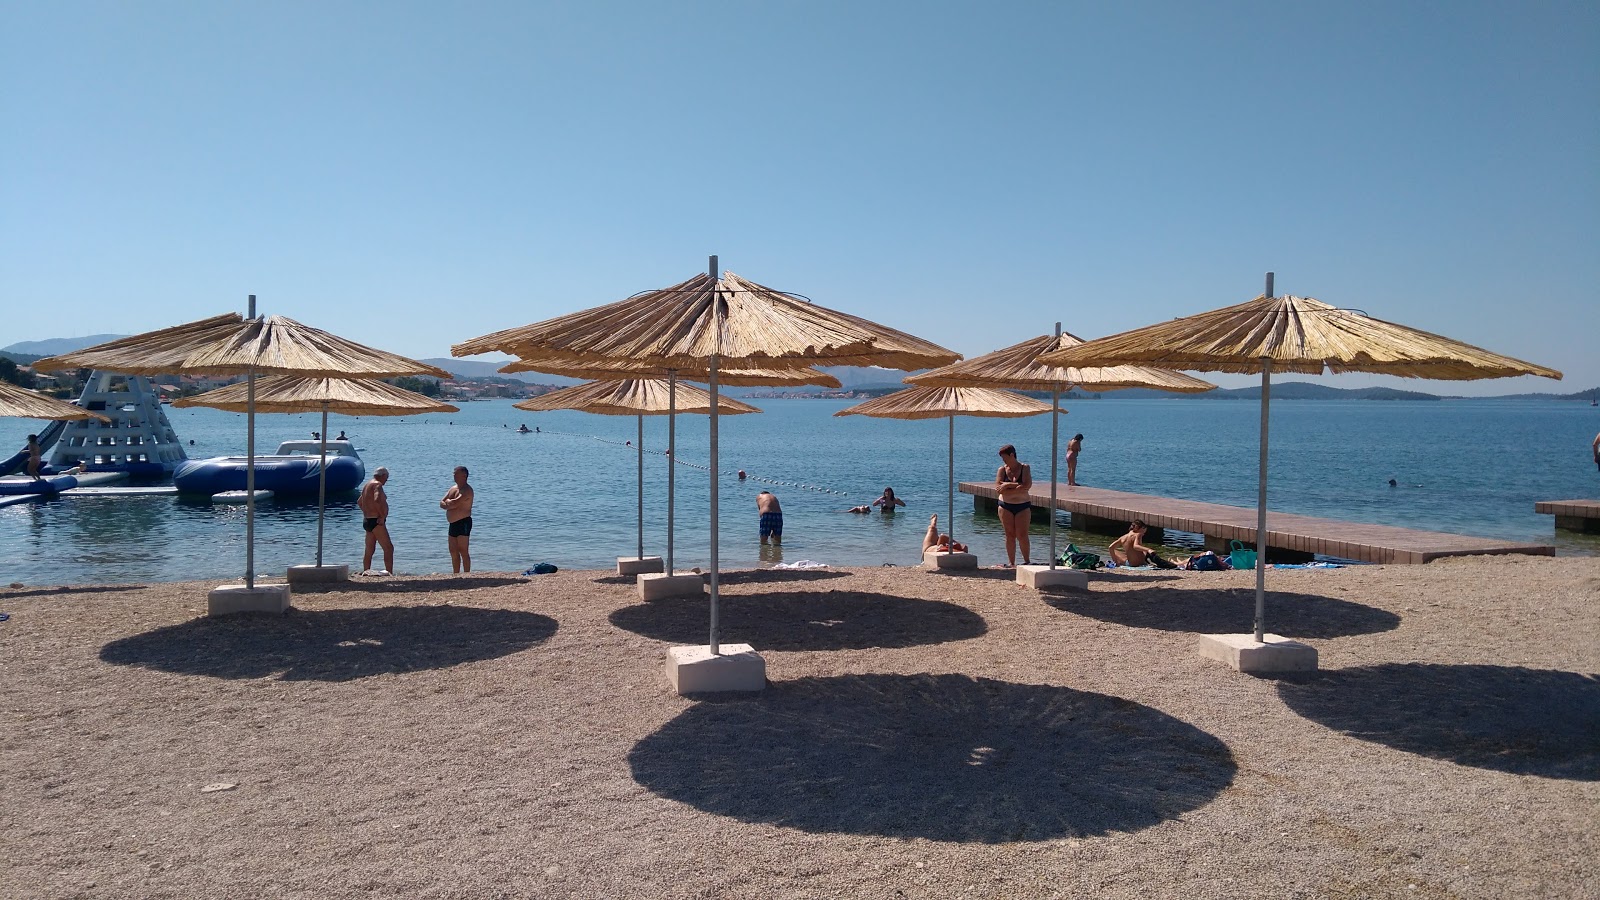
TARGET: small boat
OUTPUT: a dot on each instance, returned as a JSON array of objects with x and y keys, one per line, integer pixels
[{"x": 295, "y": 469}]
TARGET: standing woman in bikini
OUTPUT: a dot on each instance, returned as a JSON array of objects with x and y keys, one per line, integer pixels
[
  {"x": 1074, "y": 446},
  {"x": 1012, "y": 481}
]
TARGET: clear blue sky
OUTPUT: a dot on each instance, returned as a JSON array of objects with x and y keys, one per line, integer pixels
[{"x": 414, "y": 174}]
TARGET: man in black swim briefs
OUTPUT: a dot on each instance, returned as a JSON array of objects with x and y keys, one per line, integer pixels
[
  {"x": 374, "y": 505},
  {"x": 457, "y": 506}
]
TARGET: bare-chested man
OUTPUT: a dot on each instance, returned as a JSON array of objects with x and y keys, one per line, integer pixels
[
  {"x": 771, "y": 517},
  {"x": 1129, "y": 550},
  {"x": 374, "y": 505},
  {"x": 457, "y": 506}
]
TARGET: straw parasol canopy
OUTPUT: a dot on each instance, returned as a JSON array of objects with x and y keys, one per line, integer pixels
[
  {"x": 1017, "y": 367},
  {"x": 1291, "y": 334},
  {"x": 947, "y": 403},
  {"x": 738, "y": 377},
  {"x": 289, "y": 394},
  {"x": 234, "y": 345},
  {"x": 940, "y": 402},
  {"x": 707, "y": 323},
  {"x": 636, "y": 397},
  {"x": 21, "y": 403},
  {"x": 675, "y": 328},
  {"x": 1297, "y": 334}
]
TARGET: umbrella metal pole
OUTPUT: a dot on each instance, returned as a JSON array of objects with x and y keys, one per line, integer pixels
[
  {"x": 715, "y": 646},
  {"x": 1055, "y": 439},
  {"x": 1261, "y": 505},
  {"x": 250, "y": 471},
  {"x": 1261, "y": 495},
  {"x": 950, "y": 489},
  {"x": 716, "y": 347},
  {"x": 322, "y": 483},
  {"x": 1055, "y": 436},
  {"x": 640, "y": 448},
  {"x": 672, "y": 456}
]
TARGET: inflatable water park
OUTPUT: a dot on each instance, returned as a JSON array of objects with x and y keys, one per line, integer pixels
[{"x": 137, "y": 442}]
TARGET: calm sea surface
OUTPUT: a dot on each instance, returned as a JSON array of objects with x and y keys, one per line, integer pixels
[{"x": 567, "y": 495}]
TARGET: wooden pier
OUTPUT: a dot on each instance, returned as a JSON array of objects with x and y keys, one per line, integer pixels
[
  {"x": 1572, "y": 515},
  {"x": 1289, "y": 536}
]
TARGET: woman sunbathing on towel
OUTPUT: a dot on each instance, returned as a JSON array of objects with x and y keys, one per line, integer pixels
[{"x": 933, "y": 540}]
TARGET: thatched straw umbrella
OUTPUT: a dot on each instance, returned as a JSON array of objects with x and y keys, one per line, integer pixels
[
  {"x": 1017, "y": 367},
  {"x": 639, "y": 398},
  {"x": 605, "y": 370},
  {"x": 291, "y": 394},
  {"x": 947, "y": 403},
  {"x": 21, "y": 403},
  {"x": 1291, "y": 334},
  {"x": 231, "y": 344},
  {"x": 713, "y": 322}
]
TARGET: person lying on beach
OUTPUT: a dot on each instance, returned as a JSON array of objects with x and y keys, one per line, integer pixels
[
  {"x": 934, "y": 540},
  {"x": 1129, "y": 550}
]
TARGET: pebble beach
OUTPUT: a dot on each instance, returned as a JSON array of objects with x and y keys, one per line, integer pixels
[{"x": 922, "y": 735}]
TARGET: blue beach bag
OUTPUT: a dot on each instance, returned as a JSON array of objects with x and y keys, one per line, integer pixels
[{"x": 1239, "y": 557}]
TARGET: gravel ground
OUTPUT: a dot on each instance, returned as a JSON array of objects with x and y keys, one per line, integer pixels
[{"x": 923, "y": 735}]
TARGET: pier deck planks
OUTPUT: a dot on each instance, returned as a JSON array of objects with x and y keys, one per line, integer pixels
[
  {"x": 1285, "y": 531},
  {"x": 1572, "y": 515}
]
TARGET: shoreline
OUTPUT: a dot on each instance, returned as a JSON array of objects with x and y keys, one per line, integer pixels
[{"x": 926, "y": 734}]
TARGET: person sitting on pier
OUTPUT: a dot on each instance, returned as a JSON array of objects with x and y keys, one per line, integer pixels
[{"x": 934, "y": 540}]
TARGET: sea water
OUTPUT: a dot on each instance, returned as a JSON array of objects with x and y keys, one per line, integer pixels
[{"x": 567, "y": 494}]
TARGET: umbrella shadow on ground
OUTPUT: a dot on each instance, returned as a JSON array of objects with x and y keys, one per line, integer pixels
[
  {"x": 332, "y": 645},
  {"x": 381, "y": 584},
  {"x": 1228, "y": 611},
  {"x": 778, "y": 576},
  {"x": 70, "y": 589},
  {"x": 833, "y": 620},
  {"x": 939, "y": 757},
  {"x": 747, "y": 576},
  {"x": 1510, "y": 719}
]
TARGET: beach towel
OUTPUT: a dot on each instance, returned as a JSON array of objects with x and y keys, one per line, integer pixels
[{"x": 801, "y": 564}]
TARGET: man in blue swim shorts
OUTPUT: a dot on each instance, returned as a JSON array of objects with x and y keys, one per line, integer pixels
[{"x": 771, "y": 517}]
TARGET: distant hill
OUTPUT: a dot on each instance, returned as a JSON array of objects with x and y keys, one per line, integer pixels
[
  {"x": 1303, "y": 390},
  {"x": 1287, "y": 390},
  {"x": 473, "y": 368},
  {"x": 53, "y": 346}
]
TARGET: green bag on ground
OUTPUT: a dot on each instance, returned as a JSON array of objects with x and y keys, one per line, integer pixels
[
  {"x": 1073, "y": 558},
  {"x": 1240, "y": 558}
]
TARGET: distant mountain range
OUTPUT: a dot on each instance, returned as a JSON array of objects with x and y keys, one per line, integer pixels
[
  {"x": 864, "y": 379},
  {"x": 52, "y": 346}
]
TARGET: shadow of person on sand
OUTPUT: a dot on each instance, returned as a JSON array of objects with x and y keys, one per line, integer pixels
[
  {"x": 1506, "y": 718},
  {"x": 332, "y": 645},
  {"x": 939, "y": 757},
  {"x": 1227, "y": 611},
  {"x": 70, "y": 589},
  {"x": 834, "y": 620}
]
